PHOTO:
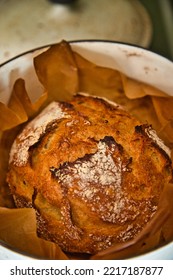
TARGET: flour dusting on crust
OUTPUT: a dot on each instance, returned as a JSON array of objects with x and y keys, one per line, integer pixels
[
  {"x": 97, "y": 175},
  {"x": 33, "y": 131},
  {"x": 153, "y": 135}
]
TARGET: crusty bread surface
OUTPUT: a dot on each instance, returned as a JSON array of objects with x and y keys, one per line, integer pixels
[{"x": 93, "y": 173}]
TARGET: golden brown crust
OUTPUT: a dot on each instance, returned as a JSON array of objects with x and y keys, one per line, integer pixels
[{"x": 93, "y": 173}]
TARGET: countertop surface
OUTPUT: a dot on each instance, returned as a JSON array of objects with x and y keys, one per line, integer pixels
[
  {"x": 161, "y": 13},
  {"x": 29, "y": 24}
]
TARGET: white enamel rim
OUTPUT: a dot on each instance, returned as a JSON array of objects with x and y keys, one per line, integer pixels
[{"x": 134, "y": 61}]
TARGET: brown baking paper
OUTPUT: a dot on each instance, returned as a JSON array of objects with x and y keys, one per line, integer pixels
[
  {"x": 63, "y": 73},
  {"x": 25, "y": 238}
]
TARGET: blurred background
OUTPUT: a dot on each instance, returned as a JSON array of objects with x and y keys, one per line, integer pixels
[{"x": 29, "y": 24}]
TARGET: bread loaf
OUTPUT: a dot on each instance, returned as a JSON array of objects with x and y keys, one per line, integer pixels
[{"x": 92, "y": 172}]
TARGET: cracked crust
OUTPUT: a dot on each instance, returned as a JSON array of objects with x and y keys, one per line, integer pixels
[{"x": 92, "y": 172}]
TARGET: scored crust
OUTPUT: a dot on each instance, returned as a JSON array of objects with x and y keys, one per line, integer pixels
[{"x": 93, "y": 173}]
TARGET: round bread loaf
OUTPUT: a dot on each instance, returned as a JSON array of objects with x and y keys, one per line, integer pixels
[{"x": 93, "y": 173}]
